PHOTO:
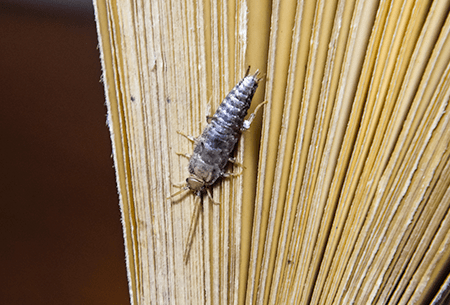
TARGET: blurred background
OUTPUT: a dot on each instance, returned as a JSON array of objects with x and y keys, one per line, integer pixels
[{"x": 61, "y": 236}]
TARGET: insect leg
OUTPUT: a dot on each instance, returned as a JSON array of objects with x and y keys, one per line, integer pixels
[
  {"x": 248, "y": 122},
  {"x": 226, "y": 175},
  {"x": 184, "y": 155},
  {"x": 190, "y": 138},
  {"x": 209, "y": 117},
  {"x": 183, "y": 190},
  {"x": 194, "y": 221},
  {"x": 210, "y": 196},
  {"x": 233, "y": 160}
]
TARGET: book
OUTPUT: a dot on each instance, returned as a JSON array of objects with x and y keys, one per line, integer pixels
[{"x": 344, "y": 191}]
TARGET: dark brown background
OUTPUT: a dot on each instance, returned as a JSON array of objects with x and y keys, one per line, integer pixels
[{"x": 61, "y": 236}]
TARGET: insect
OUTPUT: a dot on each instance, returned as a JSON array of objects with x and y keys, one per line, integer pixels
[{"x": 214, "y": 147}]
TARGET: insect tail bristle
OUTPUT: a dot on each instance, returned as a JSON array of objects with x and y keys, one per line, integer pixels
[
  {"x": 248, "y": 71},
  {"x": 254, "y": 75},
  {"x": 258, "y": 76}
]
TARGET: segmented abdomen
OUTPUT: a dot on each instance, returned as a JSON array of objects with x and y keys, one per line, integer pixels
[{"x": 214, "y": 147}]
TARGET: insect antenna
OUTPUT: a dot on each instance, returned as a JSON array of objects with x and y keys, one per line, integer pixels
[{"x": 194, "y": 221}]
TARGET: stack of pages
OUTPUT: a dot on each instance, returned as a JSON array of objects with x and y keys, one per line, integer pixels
[{"x": 344, "y": 189}]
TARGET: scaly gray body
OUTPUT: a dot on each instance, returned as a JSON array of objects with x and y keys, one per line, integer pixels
[{"x": 214, "y": 147}]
